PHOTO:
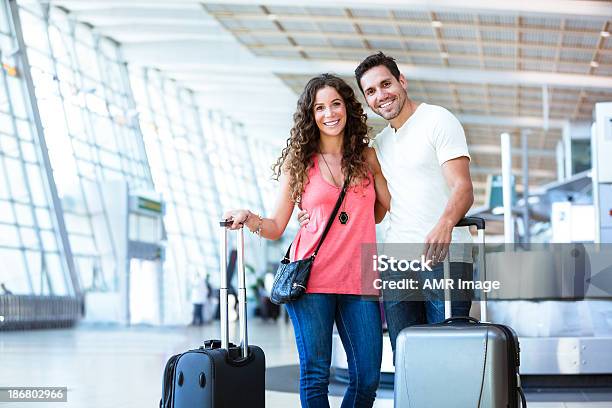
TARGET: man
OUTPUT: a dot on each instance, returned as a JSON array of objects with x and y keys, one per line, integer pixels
[{"x": 424, "y": 157}]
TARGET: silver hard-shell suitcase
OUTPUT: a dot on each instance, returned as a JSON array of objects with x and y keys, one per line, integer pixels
[{"x": 461, "y": 362}]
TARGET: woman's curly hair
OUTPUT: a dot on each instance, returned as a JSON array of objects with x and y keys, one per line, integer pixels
[{"x": 297, "y": 157}]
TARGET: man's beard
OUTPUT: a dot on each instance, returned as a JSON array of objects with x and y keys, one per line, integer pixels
[{"x": 401, "y": 101}]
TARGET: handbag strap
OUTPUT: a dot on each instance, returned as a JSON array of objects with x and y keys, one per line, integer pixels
[{"x": 330, "y": 221}]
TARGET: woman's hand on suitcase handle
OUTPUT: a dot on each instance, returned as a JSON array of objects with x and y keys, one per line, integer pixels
[
  {"x": 303, "y": 218},
  {"x": 239, "y": 218}
]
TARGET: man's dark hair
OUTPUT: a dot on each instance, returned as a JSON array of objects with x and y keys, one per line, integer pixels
[{"x": 375, "y": 60}]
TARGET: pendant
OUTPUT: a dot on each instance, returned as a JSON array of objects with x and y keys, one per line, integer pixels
[{"x": 343, "y": 217}]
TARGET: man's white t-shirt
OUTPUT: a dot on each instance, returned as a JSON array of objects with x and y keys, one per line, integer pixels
[{"x": 411, "y": 160}]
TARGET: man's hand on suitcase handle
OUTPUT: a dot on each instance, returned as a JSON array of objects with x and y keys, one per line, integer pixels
[{"x": 437, "y": 243}]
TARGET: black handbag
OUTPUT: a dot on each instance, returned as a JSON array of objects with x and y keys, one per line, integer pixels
[{"x": 292, "y": 277}]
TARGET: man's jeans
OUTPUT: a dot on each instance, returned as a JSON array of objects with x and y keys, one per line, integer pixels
[
  {"x": 359, "y": 325},
  {"x": 430, "y": 308}
]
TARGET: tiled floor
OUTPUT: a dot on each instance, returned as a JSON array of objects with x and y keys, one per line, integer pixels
[{"x": 121, "y": 367}]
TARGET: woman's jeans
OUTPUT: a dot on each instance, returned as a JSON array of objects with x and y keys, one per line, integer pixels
[{"x": 359, "y": 325}]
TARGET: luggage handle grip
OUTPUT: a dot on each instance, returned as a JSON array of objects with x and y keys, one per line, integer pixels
[
  {"x": 478, "y": 222},
  {"x": 228, "y": 223},
  {"x": 465, "y": 319}
]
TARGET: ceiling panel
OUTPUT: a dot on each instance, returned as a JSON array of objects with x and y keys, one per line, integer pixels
[{"x": 469, "y": 42}]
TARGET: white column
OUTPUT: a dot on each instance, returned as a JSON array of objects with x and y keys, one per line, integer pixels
[
  {"x": 560, "y": 155},
  {"x": 525, "y": 149},
  {"x": 506, "y": 156}
]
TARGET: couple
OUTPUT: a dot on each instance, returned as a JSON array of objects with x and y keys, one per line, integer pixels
[{"x": 417, "y": 170}]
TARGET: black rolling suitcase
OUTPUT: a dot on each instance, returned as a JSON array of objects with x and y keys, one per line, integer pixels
[
  {"x": 459, "y": 362},
  {"x": 219, "y": 374}
]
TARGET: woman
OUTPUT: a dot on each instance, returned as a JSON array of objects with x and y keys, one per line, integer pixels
[{"x": 329, "y": 144}]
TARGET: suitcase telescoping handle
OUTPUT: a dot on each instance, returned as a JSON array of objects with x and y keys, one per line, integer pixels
[
  {"x": 479, "y": 223},
  {"x": 242, "y": 315}
]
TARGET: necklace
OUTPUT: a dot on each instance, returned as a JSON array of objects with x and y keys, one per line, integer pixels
[{"x": 343, "y": 217}]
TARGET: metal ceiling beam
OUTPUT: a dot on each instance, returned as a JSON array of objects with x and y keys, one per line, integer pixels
[
  {"x": 585, "y": 8},
  {"x": 182, "y": 55},
  {"x": 265, "y": 107},
  {"x": 482, "y": 185},
  {"x": 162, "y": 28},
  {"x": 339, "y": 19},
  {"x": 229, "y": 57},
  {"x": 496, "y": 150},
  {"x": 510, "y": 121},
  {"x": 270, "y": 113},
  {"x": 428, "y": 53},
  {"x": 323, "y": 35},
  {"x": 137, "y": 37},
  {"x": 103, "y": 21},
  {"x": 216, "y": 77},
  {"x": 116, "y": 15},
  {"x": 74, "y": 5},
  {"x": 594, "y": 9},
  {"x": 552, "y": 174},
  {"x": 259, "y": 90}
]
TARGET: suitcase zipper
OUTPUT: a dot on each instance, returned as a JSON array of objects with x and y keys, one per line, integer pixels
[
  {"x": 168, "y": 383},
  {"x": 514, "y": 356}
]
